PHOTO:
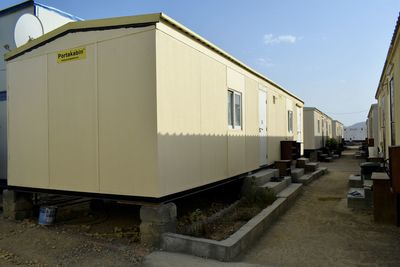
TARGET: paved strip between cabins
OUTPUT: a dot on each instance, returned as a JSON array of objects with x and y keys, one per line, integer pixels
[{"x": 319, "y": 229}]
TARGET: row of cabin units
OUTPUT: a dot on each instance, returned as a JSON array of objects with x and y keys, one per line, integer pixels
[
  {"x": 139, "y": 106},
  {"x": 384, "y": 137},
  {"x": 319, "y": 128},
  {"x": 50, "y": 19},
  {"x": 384, "y": 116},
  {"x": 372, "y": 122}
]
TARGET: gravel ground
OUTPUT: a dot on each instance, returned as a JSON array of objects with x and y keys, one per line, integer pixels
[
  {"x": 28, "y": 244},
  {"x": 319, "y": 230}
]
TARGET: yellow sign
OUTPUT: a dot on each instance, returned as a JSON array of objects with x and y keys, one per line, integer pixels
[{"x": 71, "y": 54}]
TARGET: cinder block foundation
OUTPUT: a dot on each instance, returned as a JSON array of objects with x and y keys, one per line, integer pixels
[
  {"x": 156, "y": 220},
  {"x": 17, "y": 205}
]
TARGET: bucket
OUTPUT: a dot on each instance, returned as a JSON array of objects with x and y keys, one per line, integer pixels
[
  {"x": 373, "y": 152},
  {"x": 47, "y": 215}
]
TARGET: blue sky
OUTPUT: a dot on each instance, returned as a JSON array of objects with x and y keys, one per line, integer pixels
[{"x": 329, "y": 53}]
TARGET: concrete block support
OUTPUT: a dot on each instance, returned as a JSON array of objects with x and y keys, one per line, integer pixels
[
  {"x": 156, "y": 220},
  {"x": 17, "y": 205}
]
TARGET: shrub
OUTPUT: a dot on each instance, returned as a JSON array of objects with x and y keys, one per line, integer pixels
[
  {"x": 253, "y": 195},
  {"x": 332, "y": 144}
]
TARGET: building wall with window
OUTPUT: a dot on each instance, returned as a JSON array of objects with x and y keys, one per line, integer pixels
[
  {"x": 150, "y": 111},
  {"x": 317, "y": 128},
  {"x": 356, "y": 132},
  {"x": 388, "y": 96},
  {"x": 212, "y": 87},
  {"x": 338, "y": 129}
]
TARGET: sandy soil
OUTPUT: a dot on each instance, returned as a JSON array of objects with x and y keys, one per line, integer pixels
[
  {"x": 95, "y": 240},
  {"x": 319, "y": 230}
]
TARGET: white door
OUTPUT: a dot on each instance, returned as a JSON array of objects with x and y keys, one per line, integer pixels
[
  {"x": 262, "y": 122},
  {"x": 299, "y": 124}
]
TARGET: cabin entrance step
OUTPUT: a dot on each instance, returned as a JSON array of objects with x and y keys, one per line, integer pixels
[
  {"x": 277, "y": 187},
  {"x": 263, "y": 176}
]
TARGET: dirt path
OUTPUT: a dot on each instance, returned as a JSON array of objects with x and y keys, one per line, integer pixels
[{"x": 319, "y": 230}]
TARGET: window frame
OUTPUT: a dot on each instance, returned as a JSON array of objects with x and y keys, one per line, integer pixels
[{"x": 232, "y": 107}]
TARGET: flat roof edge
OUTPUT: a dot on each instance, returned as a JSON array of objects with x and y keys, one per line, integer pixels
[{"x": 316, "y": 109}]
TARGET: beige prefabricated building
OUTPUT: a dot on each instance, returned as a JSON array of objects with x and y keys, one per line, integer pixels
[
  {"x": 317, "y": 128},
  {"x": 372, "y": 124},
  {"x": 139, "y": 106},
  {"x": 337, "y": 130},
  {"x": 388, "y": 97}
]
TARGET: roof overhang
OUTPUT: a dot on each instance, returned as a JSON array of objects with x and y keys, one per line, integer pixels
[{"x": 317, "y": 110}]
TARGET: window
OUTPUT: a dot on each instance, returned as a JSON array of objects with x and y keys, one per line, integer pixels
[
  {"x": 274, "y": 99},
  {"x": 319, "y": 126},
  {"x": 234, "y": 109},
  {"x": 290, "y": 121}
]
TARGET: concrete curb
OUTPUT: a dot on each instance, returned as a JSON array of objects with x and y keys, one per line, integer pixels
[
  {"x": 308, "y": 178},
  {"x": 228, "y": 249}
]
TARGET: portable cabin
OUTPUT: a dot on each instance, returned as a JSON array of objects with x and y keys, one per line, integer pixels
[
  {"x": 337, "y": 130},
  {"x": 388, "y": 96},
  {"x": 317, "y": 128},
  {"x": 51, "y": 19},
  {"x": 329, "y": 127},
  {"x": 139, "y": 106},
  {"x": 356, "y": 132},
  {"x": 372, "y": 126}
]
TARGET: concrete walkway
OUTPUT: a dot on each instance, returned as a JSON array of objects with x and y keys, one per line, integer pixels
[
  {"x": 319, "y": 230},
  {"x": 166, "y": 259}
]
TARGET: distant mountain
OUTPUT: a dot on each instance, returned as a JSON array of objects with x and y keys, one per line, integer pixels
[{"x": 357, "y": 125}]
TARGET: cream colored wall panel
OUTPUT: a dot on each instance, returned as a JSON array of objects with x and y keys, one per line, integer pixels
[
  {"x": 205, "y": 50},
  {"x": 396, "y": 77},
  {"x": 214, "y": 123},
  {"x": 235, "y": 80},
  {"x": 28, "y": 123},
  {"x": 127, "y": 115},
  {"x": 252, "y": 132},
  {"x": 309, "y": 129},
  {"x": 277, "y": 125},
  {"x": 236, "y": 154},
  {"x": 3, "y": 139},
  {"x": 179, "y": 115},
  {"x": 73, "y": 126}
]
